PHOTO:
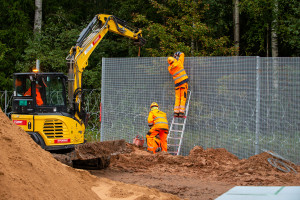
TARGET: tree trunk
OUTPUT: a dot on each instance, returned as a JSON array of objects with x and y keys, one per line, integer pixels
[
  {"x": 274, "y": 40},
  {"x": 193, "y": 42},
  {"x": 267, "y": 45},
  {"x": 274, "y": 44},
  {"x": 236, "y": 21},
  {"x": 38, "y": 16}
]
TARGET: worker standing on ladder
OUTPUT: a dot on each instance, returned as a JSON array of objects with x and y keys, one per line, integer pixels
[
  {"x": 157, "y": 121},
  {"x": 176, "y": 69}
]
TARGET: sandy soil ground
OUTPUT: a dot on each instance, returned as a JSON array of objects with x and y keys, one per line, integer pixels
[
  {"x": 29, "y": 172},
  {"x": 204, "y": 174}
]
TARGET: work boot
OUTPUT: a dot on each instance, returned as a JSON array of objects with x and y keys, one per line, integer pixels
[
  {"x": 176, "y": 114},
  {"x": 158, "y": 149},
  {"x": 181, "y": 114}
]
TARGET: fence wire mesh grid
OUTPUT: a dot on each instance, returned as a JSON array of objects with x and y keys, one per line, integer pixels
[{"x": 243, "y": 104}]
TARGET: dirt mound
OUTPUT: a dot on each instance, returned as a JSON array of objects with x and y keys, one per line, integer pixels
[
  {"x": 93, "y": 155},
  {"x": 209, "y": 164},
  {"x": 98, "y": 149},
  {"x": 29, "y": 172}
]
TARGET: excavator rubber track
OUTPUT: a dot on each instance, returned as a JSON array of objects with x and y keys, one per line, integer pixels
[{"x": 93, "y": 156}]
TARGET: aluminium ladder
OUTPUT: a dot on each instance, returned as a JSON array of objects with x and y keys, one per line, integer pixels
[{"x": 176, "y": 130}]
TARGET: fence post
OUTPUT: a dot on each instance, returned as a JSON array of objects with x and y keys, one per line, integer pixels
[
  {"x": 102, "y": 98},
  {"x": 257, "y": 121}
]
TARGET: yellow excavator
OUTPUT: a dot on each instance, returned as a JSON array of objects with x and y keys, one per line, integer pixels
[{"x": 40, "y": 99}]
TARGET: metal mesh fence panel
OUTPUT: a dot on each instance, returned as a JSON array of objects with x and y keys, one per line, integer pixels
[
  {"x": 243, "y": 104},
  {"x": 92, "y": 99},
  {"x": 280, "y": 106},
  {"x": 6, "y": 101}
]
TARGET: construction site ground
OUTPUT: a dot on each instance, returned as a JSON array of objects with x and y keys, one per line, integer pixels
[{"x": 29, "y": 172}]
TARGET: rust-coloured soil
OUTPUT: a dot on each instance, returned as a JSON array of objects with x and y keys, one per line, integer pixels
[
  {"x": 28, "y": 172},
  {"x": 204, "y": 174}
]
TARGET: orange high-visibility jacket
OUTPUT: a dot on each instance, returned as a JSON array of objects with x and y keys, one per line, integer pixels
[
  {"x": 176, "y": 69},
  {"x": 158, "y": 119},
  {"x": 39, "y": 100}
]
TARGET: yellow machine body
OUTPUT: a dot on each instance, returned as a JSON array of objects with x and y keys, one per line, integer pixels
[{"x": 55, "y": 130}]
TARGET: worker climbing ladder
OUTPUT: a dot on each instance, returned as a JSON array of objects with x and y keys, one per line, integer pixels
[{"x": 176, "y": 130}]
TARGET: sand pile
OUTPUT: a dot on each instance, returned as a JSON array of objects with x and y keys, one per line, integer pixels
[{"x": 29, "y": 172}]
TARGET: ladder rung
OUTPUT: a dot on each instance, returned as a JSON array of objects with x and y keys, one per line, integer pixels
[
  {"x": 177, "y": 145},
  {"x": 176, "y": 138},
  {"x": 184, "y": 117},
  {"x": 176, "y": 130},
  {"x": 179, "y": 123}
]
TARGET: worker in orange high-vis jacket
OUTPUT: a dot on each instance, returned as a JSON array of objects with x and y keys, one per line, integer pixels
[
  {"x": 39, "y": 100},
  {"x": 176, "y": 69},
  {"x": 158, "y": 123}
]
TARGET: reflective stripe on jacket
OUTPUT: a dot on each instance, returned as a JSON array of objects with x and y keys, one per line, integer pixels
[
  {"x": 176, "y": 69},
  {"x": 158, "y": 119}
]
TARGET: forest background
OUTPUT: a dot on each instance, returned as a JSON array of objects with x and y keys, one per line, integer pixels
[{"x": 267, "y": 28}]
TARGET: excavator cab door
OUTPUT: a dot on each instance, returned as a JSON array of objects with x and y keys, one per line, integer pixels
[{"x": 23, "y": 101}]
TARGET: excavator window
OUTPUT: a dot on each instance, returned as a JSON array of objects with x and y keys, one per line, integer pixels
[
  {"x": 22, "y": 85},
  {"x": 54, "y": 87},
  {"x": 42, "y": 92}
]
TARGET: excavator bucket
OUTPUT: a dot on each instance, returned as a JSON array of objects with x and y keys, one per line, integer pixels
[{"x": 95, "y": 155}]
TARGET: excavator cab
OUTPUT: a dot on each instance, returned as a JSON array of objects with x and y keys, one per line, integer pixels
[
  {"x": 40, "y": 108},
  {"x": 39, "y": 93}
]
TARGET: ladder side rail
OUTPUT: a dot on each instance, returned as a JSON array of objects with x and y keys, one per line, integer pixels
[
  {"x": 173, "y": 152},
  {"x": 180, "y": 142},
  {"x": 188, "y": 102},
  {"x": 170, "y": 128},
  {"x": 183, "y": 128},
  {"x": 178, "y": 147}
]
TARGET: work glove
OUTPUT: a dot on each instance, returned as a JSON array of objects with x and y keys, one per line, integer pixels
[{"x": 177, "y": 54}]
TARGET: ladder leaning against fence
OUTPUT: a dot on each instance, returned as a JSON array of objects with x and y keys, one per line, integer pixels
[{"x": 176, "y": 130}]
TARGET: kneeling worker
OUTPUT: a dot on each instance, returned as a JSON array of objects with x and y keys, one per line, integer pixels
[{"x": 157, "y": 121}]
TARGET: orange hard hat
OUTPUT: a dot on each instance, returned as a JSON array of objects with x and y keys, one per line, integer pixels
[
  {"x": 154, "y": 104},
  {"x": 171, "y": 60}
]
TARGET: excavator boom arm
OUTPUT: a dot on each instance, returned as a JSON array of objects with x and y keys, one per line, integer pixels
[{"x": 88, "y": 40}]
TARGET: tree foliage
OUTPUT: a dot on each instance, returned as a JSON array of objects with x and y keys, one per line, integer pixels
[
  {"x": 181, "y": 27},
  {"x": 196, "y": 27},
  {"x": 259, "y": 15}
]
